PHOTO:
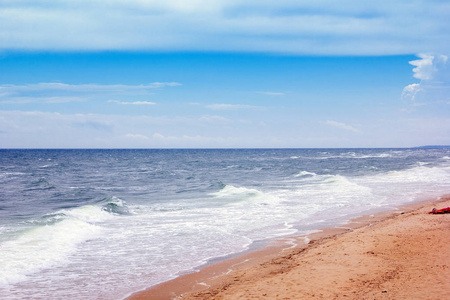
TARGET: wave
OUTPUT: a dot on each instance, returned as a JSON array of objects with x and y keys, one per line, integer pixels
[
  {"x": 305, "y": 174},
  {"x": 348, "y": 155},
  {"x": 231, "y": 191},
  {"x": 115, "y": 205},
  {"x": 354, "y": 155},
  {"x": 231, "y": 194},
  {"x": 383, "y": 155},
  {"x": 51, "y": 240},
  {"x": 337, "y": 187},
  {"x": 423, "y": 173},
  {"x": 11, "y": 174}
]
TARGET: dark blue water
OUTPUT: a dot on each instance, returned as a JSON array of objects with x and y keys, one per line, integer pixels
[{"x": 35, "y": 182}]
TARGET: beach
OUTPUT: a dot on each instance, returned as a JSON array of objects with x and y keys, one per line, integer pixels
[{"x": 400, "y": 254}]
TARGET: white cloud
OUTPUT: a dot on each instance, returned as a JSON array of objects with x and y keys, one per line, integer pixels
[
  {"x": 136, "y": 136},
  {"x": 55, "y": 130},
  {"x": 163, "y": 84},
  {"x": 443, "y": 58},
  {"x": 434, "y": 79},
  {"x": 158, "y": 136},
  {"x": 286, "y": 26},
  {"x": 232, "y": 106},
  {"x": 56, "y": 92},
  {"x": 410, "y": 91},
  {"x": 23, "y": 100},
  {"x": 215, "y": 119},
  {"x": 132, "y": 103},
  {"x": 423, "y": 67},
  {"x": 272, "y": 93},
  {"x": 44, "y": 129},
  {"x": 342, "y": 126},
  {"x": 188, "y": 138},
  {"x": 82, "y": 88}
]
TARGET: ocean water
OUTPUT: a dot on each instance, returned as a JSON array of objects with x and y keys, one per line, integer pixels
[{"x": 101, "y": 224}]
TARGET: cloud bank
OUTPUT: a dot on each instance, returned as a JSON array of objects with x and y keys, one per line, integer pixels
[
  {"x": 323, "y": 27},
  {"x": 34, "y": 129}
]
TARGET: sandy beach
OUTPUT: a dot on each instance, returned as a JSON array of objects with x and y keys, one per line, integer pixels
[{"x": 402, "y": 254}]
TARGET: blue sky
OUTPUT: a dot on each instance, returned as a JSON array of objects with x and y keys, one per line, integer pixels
[{"x": 193, "y": 74}]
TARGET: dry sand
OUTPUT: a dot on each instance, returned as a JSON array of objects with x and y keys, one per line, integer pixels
[{"x": 397, "y": 255}]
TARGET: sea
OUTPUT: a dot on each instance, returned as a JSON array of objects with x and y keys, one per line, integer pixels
[{"x": 102, "y": 224}]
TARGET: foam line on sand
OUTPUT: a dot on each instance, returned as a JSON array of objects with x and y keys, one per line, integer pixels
[{"x": 401, "y": 254}]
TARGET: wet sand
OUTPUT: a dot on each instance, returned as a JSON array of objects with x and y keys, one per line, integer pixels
[{"x": 401, "y": 254}]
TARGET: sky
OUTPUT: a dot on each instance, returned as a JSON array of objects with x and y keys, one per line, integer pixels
[{"x": 224, "y": 74}]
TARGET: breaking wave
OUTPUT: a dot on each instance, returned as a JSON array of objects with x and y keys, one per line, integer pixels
[{"x": 52, "y": 239}]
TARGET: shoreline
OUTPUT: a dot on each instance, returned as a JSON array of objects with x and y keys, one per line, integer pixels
[{"x": 249, "y": 269}]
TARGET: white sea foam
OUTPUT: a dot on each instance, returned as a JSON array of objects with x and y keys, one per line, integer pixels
[
  {"x": 399, "y": 187},
  {"x": 233, "y": 195},
  {"x": 329, "y": 190},
  {"x": 362, "y": 156},
  {"x": 232, "y": 191},
  {"x": 11, "y": 174},
  {"x": 346, "y": 155},
  {"x": 420, "y": 174},
  {"x": 305, "y": 174},
  {"x": 88, "y": 214},
  {"x": 383, "y": 155},
  {"x": 49, "y": 245}
]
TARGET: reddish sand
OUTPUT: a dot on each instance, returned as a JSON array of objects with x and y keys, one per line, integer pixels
[{"x": 398, "y": 255}]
